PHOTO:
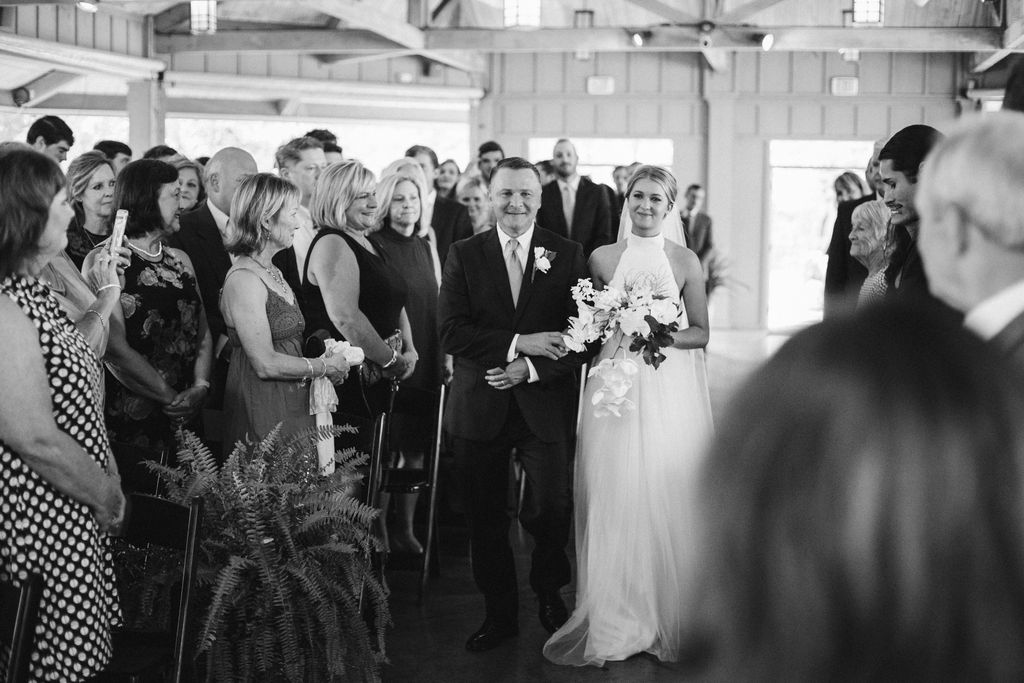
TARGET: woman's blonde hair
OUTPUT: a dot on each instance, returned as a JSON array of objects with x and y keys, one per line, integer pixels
[
  {"x": 658, "y": 175},
  {"x": 386, "y": 191},
  {"x": 259, "y": 199},
  {"x": 335, "y": 190}
]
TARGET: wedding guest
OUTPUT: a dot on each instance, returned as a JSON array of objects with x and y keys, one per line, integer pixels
[
  {"x": 51, "y": 136},
  {"x": 446, "y": 217},
  {"x": 333, "y": 153},
  {"x": 867, "y": 245},
  {"x": 472, "y": 193},
  {"x": 352, "y": 291},
  {"x": 164, "y": 319},
  {"x": 899, "y": 164},
  {"x": 487, "y": 157},
  {"x": 202, "y": 236},
  {"x": 91, "y": 191},
  {"x": 59, "y": 488},
  {"x": 972, "y": 227},
  {"x": 848, "y": 186},
  {"x": 117, "y": 152},
  {"x": 398, "y": 214},
  {"x": 448, "y": 174},
  {"x": 574, "y": 206},
  {"x": 869, "y": 523},
  {"x": 410, "y": 167},
  {"x": 546, "y": 170},
  {"x": 266, "y": 382},
  {"x": 300, "y": 161},
  {"x": 190, "y": 181}
]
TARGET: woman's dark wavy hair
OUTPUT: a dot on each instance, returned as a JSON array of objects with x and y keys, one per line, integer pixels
[
  {"x": 863, "y": 508},
  {"x": 29, "y": 181},
  {"x": 137, "y": 190}
]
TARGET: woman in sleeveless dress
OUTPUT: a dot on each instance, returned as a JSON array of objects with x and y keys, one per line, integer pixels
[
  {"x": 60, "y": 493},
  {"x": 268, "y": 379},
  {"x": 350, "y": 289},
  {"x": 635, "y": 474}
]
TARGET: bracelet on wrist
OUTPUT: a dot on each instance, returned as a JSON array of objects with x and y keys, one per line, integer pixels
[
  {"x": 110, "y": 286},
  {"x": 309, "y": 366},
  {"x": 103, "y": 323},
  {"x": 201, "y": 384},
  {"x": 325, "y": 368},
  {"x": 394, "y": 359}
]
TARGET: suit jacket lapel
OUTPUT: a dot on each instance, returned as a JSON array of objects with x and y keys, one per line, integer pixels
[{"x": 496, "y": 264}]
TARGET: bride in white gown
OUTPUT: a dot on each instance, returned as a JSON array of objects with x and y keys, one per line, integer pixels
[{"x": 635, "y": 474}]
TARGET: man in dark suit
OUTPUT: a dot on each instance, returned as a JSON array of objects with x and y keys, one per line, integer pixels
[
  {"x": 574, "y": 206},
  {"x": 504, "y": 298},
  {"x": 972, "y": 227},
  {"x": 202, "y": 237},
  {"x": 448, "y": 218}
]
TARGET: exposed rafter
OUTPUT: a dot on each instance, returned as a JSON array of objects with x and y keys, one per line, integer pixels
[
  {"x": 399, "y": 31},
  {"x": 79, "y": 59},
  {"x": 1013, "y": 41},
  {"x": 745, "y": 11},
  {"x": 48, "y": 85},
  {"x": 663, "y": 9},
  {"x": 322, "y": 41}
]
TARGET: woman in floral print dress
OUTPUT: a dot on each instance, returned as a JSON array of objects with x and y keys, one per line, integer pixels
[{"x": 163, "y": 314}]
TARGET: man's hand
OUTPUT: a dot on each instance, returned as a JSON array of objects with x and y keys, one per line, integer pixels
[
  {"x": 546, "y": 344},
  {"x": 515, "y": 373}
]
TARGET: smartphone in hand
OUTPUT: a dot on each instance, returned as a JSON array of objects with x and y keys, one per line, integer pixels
[{"x": 117, "y": 234}]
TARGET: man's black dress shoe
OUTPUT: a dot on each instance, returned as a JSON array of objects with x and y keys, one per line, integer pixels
[
  {"x": 553, "y": 613},
  {"x": 490, "y": 636}
]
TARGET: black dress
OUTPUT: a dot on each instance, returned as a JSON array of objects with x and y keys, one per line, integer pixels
[
  {"x": 382, "y": 295},
  {"x": 411, "y": 256},
  {"x": 81, "y": 242}
]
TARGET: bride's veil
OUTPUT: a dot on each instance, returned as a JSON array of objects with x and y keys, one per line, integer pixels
[{"x": 671, "y": 227}]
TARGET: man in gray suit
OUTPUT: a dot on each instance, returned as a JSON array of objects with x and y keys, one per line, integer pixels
[{"x": 971, "y": 202}]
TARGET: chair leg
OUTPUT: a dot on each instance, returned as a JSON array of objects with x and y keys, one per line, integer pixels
[{"x": 429, "y": 549}]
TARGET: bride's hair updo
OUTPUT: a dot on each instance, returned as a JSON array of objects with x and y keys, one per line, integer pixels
[{"x": 658, "y": 175}]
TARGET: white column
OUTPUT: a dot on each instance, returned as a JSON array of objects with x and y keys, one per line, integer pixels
[{"x": 147, "y": 109}]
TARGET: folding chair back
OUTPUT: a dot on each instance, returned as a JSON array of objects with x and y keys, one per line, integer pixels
[{"x": 19, "y": 613}]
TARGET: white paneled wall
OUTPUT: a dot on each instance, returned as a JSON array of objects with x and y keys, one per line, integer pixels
[
  {"x": 123, "y": 34},
  {"x": 720, "y": 122}
]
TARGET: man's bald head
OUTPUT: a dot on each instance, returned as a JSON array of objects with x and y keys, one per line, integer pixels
[{"x": 224, "y": 171}]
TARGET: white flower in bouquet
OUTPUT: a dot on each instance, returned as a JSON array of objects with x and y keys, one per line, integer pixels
[
  {"x": 608, "y": 299},
  {"x": 632, "y": 322},
  {"x": 616, "y": 375},
  {"x": 665, "y": 311},
  {"x": 353, "y": 354}
]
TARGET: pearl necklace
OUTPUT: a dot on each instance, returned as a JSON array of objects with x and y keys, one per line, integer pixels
[{"x": 153, "y": 256}]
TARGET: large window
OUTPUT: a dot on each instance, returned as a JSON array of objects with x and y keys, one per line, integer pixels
[{"x": 600, "y": 156}]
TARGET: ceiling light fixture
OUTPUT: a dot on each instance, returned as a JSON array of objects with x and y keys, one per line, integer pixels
[
  {"x": 640, "y": 37},
  {"x": 90, "y": 7},
  {"x": 766, "y": 40}
]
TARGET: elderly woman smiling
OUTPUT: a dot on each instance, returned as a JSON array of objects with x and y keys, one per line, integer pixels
[
  {"x": 868, "y": 246},
  {"x": 59, "y": 489}
]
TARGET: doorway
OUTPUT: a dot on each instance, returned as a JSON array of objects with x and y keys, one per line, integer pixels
[{"x": 801, "y": 214}]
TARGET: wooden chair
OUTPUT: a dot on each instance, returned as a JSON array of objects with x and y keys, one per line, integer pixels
[
  {"x": 135, "y": 476},
  {"x": 412, "y": 423},
  {"x": 19, "y": 614},
  {"x": 155, "y": 521}
]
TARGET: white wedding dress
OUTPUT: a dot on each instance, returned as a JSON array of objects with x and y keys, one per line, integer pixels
[{"x": 634, "y": 488}]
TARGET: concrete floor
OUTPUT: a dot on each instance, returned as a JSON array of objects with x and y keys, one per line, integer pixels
[{"x": 427, "y": 643}]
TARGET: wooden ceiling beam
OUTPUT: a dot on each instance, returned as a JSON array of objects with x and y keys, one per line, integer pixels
[
  {"x": 46, "y": 86},
  {"x": 296, "y": 40},
  {"x": 663, "y": 9},
  {"x": 171, "y": 18},
  {"x": 745, "y": 11},
  {"x": 1013, "y": 41},
  {"x": 686, "y": 39}
]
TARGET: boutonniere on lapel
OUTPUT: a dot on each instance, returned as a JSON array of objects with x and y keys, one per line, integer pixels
[{"x": 542, "y": 259}]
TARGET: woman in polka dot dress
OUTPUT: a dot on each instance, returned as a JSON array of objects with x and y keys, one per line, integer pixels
[{"x": 59, "y": 490}]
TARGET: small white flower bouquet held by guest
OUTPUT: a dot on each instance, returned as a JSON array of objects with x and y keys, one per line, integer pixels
[
  {"x": 323, "y": 399},
  {"x": 637, "y": 312}
]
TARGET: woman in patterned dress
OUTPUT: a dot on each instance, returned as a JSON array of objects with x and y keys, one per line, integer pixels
[
  {"x": 267, "y": 377},
  {"x": 59, "y": 489},
  {"x": 163, "y": 314}
]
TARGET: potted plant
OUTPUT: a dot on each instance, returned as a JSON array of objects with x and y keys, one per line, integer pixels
[{"x": 285, "y": 585}]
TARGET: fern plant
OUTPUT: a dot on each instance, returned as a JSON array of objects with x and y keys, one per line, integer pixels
[{"x": 284, "y": 559}]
